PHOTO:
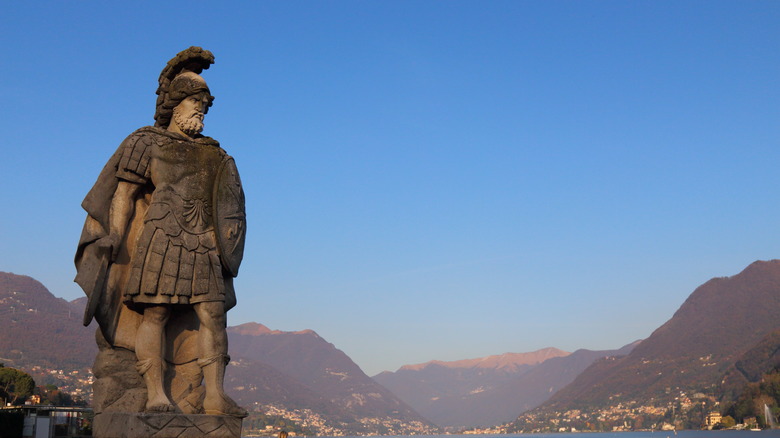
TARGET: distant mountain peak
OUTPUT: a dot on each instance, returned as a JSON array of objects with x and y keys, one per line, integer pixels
[
  {"x": 257, "y": 329},
  {"x": 499, "y": 361},
  {"x": 250, "y": 328},
  {"x": 305, "y": 332},
  {"x": 488, "y": 390}
]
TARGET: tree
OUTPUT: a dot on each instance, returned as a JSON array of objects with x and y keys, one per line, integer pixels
[
  {"x": 51, "y": 395},
  {"x": 15, "y": 385},
  {"x": 728, "y": 421}
]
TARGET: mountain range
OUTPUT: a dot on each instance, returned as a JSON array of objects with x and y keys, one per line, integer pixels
[
  {"x": 40, "y": 329},
  {"x": 487, "y": 391},
  {"x": 297, "y": 374},
  {"x": 703, "y": 347},
  {"x": 321, "y": 375},
  {"x": 724, "y": 336}
]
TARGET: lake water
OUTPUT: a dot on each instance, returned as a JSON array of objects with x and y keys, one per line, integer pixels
[{"x": 657, "y": 434}]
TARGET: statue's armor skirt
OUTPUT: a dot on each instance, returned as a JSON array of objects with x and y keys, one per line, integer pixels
[{"x": 173, "y": 266}]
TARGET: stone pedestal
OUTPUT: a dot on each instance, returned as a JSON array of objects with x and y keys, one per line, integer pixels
[{"x": 147, "y": 425}]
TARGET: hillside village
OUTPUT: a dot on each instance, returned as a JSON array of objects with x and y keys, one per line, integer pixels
[{"x": 77, "y": 383}]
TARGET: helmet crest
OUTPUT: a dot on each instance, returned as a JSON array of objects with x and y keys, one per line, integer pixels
[{"x": 191, "y": 61}]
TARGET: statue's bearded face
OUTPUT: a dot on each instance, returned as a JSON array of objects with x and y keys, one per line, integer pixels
[{"x": 188, "y": 115}]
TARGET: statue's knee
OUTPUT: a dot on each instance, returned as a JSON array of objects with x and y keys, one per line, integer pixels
[
  {"x": 156, "y": 314},
  {"x": 212, "y": 313}
]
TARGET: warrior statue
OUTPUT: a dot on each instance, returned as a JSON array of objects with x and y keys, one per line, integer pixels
[{"x": 163, "y": 239}]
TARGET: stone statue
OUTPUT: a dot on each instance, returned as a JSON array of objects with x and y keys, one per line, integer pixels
[{"x": 163, "y": 239}]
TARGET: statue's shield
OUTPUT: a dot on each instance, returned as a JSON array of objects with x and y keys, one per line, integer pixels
[{"x": 229, "y": 216}]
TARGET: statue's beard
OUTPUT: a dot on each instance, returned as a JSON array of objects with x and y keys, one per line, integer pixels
[{"x": 189, "y": 123}]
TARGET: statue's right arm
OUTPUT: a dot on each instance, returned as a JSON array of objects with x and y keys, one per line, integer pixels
[{"x": 122, "y": 208}]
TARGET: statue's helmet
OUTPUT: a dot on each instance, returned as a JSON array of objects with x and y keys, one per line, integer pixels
[{"x": 180, "y": 79}]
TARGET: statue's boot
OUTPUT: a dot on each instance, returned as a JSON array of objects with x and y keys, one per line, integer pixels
[
  {"x": 216, "y": 401},
  {"x": 152, "y": 372}
]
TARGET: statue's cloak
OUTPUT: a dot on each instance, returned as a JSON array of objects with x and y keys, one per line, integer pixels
[
  {"x": 102, "y": 288},
  {"x": 96, "y": 275}
]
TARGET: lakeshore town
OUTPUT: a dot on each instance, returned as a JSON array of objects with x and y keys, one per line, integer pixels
[{"x": 628, "y": 416}]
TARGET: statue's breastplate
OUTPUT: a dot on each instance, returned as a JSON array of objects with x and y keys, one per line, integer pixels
[{"x": 183, "y": 174}]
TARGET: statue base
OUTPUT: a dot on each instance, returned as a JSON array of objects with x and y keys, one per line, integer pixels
[{"x": 164, "y": 425}]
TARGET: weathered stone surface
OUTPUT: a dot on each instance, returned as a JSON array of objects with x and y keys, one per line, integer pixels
[
  {"x": 164, "y": 425},
  {"x": 118, "y": 387}
]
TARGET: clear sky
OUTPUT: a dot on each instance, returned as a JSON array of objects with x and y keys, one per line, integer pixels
[{"x": 430, "y": 179}]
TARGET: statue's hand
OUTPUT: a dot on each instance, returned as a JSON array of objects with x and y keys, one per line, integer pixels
[{"x": 110, "y": 244}]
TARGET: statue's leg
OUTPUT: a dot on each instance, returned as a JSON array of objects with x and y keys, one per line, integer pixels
[
  {"x": 214, "y": 358},
  {"x": 149, "y": 351}
]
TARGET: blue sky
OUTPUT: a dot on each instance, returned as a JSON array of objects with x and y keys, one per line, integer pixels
[{"x": 425, "y": 180}]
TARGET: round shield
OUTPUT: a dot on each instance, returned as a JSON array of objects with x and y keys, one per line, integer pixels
[{"x": 229, "y": 216}]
